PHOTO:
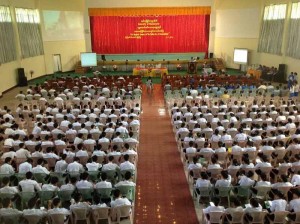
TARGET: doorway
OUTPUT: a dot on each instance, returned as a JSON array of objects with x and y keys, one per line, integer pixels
[{"x": 57, "y": 63}]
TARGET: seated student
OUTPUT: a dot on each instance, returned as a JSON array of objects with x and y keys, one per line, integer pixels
[
  {"x": 278, "y": 204},
  {"x": 254, "y": 206},
  {"x": 235, "y": 206},
  {"x": 40, "y": 167},
  {"x": 32, "y": 210},
  {"x": 119, "y": 200},
  {"x": 294, "y": 205},
  {"x": 84, "y": 183},
  {"x": 127, "y": 165},
  {"x": 56, "y": 209},
  {"x": 127, "y": 181},
  {"x": 78, "y": 203},
  {"x": 93, "y": 165},
  {"x": 247, "y": 180},
  {"x": 224, "y": 180},
  {"x": 53, "y": 186},
  {"x": 70, "y": 184},
  {"x": 214, "y": 207},
  {"x": 6, "y": 189},
  {"x": 7, "y": 209},
  {"x": 7, "y": 168},
  {"x": 29, "y": 185}
]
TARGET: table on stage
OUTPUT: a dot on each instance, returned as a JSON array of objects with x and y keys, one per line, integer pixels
[
  {"x": 255, "y": 73},
  {"x": 154, "y": 72}
]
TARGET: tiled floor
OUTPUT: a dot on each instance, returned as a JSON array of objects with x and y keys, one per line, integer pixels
[{"x": 163, "y": 194}]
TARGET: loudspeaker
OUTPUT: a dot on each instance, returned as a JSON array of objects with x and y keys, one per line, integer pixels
[
  {"x": 22, "y": 80},
  {"x": 103, "y": 57},
  {"x": 211, "y": 55},
  {"x": 282, "y": 68}
]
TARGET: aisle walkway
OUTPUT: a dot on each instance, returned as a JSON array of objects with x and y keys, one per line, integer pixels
[{"x": 163, "y": 194}]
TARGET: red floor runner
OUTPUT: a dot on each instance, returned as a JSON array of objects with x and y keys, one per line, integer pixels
[{"x": 162, "y": 190}]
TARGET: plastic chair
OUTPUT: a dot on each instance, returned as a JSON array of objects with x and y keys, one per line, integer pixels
[
  {"x": 224, "y": 192},
  {"x": 33, "y": 219},
  {"x": 127, "y": 191},
  {"x": 124, "y": 211},
  {"x": 244, "y": 192},
  {"x": 86, "y": 193},
  {"x": 104, "y": 193},
  {"x": 111, "y": 175},
  {"x": 237, "y": 218},
  {"x": 11, "y": 219},
  {"x": 93, "y": 175},
  {"x": 258, "y": 217},
  {"x": 56, "y": 218},
  {"x": 101, "y": 214},
  {"x": 262, "y": 192},
  {"x": 216, "y": 217},
  {"x": 25, "y": 197},
  {"x": 279, "y": 217},
  {"x": 40, "y": 177},
  {"x": 45, "y": 196},
  {"x": 65, "y": 195},
  {"x": 204, "y": 192},
  {"x": 297, "y": 218},
  {"x": 80, "y": 214}
]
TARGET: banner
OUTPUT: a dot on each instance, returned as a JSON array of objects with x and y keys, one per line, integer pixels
[{"x": 150, "y": 34}]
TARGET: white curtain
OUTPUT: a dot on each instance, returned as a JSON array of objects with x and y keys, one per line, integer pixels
[
  {"x": 294, "y": 32},
  {"x": 7, "y": 38},
  {"x": 271, "y": 34},
  {"x": 30, "y": 36}
]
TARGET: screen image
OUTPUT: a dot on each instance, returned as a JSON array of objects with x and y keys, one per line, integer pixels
[
  {"x": 240, "y": 56},
  {"x": 88, "y": 59},
  {"x": 62, "y": 25}
]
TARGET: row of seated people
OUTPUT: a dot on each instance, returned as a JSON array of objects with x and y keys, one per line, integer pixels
[
  {"x": 87, "y": 99},
  {"x": 225, "y": 91},
  {"x": 178, "y": 82},
  {"x": 61, "y": 209},
  {"x": 236, "y": 147},
  {"x": 97, "y": 81}
]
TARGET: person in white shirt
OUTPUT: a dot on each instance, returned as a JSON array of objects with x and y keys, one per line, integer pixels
[
  {"x": 254, "y": 207},
  {"x": 104, "y": 183},
  {"x": 75, "y": 167},
  {"x": 81, "y": 152},
  {"x": 56, "y": 203},
  {"x": 7, "y": 168},
  {"x": 127, "y": 181},
  {"x": 294, "y": 205},
  {"x": 126, "y": 165},
  {"x": 6, "y": 188},
  {"x": 69, "y": 186},
  {"x": 279, "y": 204},
  {"x": 7, "y": 209},
  {"x": 31, "y": 210},
  {"x": 22, "y": 153},
  {"x": 52, "y": 186},
  {"x": 93, "y": 165},
  {"x": 119, "y": 200},
  {"x": 40, "y": 167},
  {"x": 110, "y": 165},
  {"x": 246, "y": 180},
  {"x": 61, "y": 165},
  {"x": 203, "y": 181},
  {"x": 29, "y": 185},
  {"x": 214, "y": 207},
  {"x": 26, "y": 166},
  {"x": 225, "y": 180}
]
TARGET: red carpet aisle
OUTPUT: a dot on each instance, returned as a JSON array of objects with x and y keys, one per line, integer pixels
[{"x": 162, "y": 190}]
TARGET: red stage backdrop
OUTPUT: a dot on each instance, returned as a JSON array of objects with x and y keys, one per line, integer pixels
[{"x": 149, "y": 34}]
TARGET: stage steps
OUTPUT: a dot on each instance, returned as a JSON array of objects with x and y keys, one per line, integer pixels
[
  {"x": 219, "y": 64},
  {"x": 79, "y": 69}
]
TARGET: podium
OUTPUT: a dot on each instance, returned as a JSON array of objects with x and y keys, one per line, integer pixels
[{"x": 192, "y": 67}]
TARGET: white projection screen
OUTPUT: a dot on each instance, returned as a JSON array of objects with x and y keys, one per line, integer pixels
[
  {"x": 88, "y": 59},
  {"x": 240, "y": 56},
  {"x": 62, "y": 25}
]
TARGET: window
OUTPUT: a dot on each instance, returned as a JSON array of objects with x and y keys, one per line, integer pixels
[
  {"x": 272, "y": 27},
  {"x": 27, "y": 15},
  {"x": 294, "y": 30},
  {"x": 5, "y": 14},
  {"x": 28, "y": 22},
  {"x": 295, "y": 14},
  {"x": 7, "y": 38},
  {"x": 275, "y": 12}
]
